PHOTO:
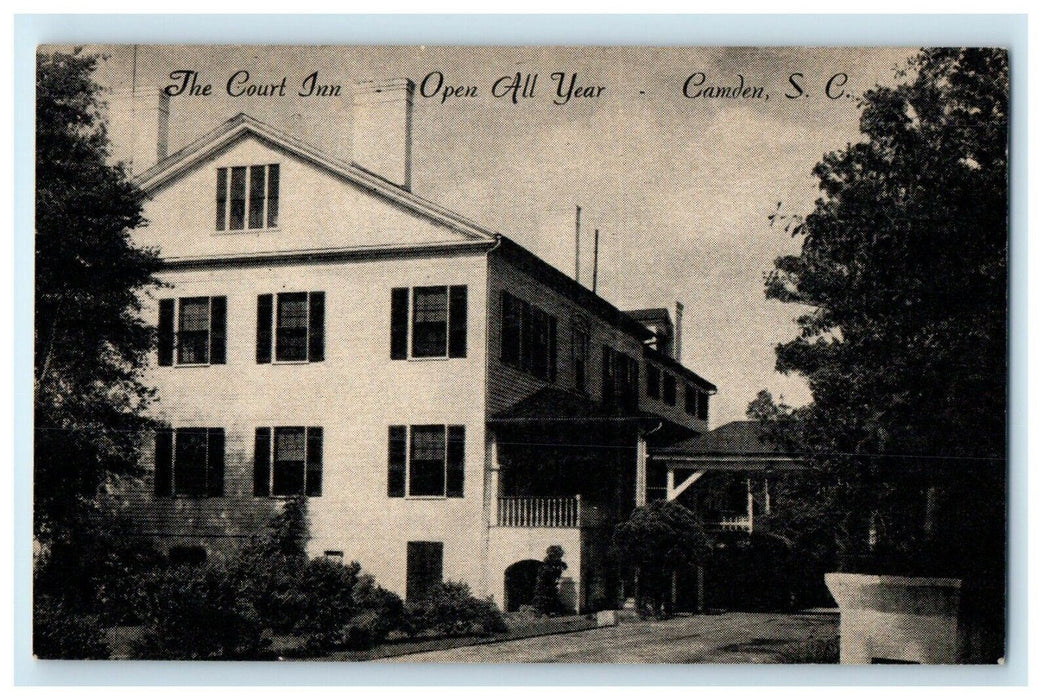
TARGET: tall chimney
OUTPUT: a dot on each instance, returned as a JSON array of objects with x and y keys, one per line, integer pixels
[
  {"x": 578, "y": 214},
  {"x": 679, "y": 311},
  {"x": 138, "y": 127},
  {"x": 382, "y": 129}
]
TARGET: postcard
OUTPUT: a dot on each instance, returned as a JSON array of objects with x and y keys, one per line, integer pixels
[{"x": 521, "y": 354}]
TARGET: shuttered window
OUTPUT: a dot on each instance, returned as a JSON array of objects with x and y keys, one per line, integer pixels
[
  {"x": 288, "y": 461},
  {"x": 669, "y": 389},
  {"x": 293, "y": 331},
  {"x": 190, "y": 462},
  {"x": 580, "y": 356},
  {"x": 653, "y": 379},
  {"x": 426, "y": 460},
  {"x": 528, "y": 338},
  {"x": 200, "y": 338},
  {"x": 429, "y": 321}
]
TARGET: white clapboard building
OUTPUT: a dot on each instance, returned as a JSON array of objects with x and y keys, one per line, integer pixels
[{"x": 450, "y": 404}]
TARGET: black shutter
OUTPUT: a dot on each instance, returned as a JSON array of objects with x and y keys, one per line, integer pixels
[
  {"x": 397, "y": 454},
  {"x": 314, "y": 457},
  {"x": 262, "y": 462},
  {"x": 166, "y": 333},
  {"x": 218, "y": 331},
  {"x": 399, "y": 324},
  {"x": 457, "y": 321},
  {"x": 526, "y": 337},
  {"x": 264, "y": 333},
  {"x": 552, "y": 340},
  {"x": 316, "y": 348},
  {"x": 216, "y": 460},
  {"x": 456, "y": 460},
  {"x": 162, "y": 461}
]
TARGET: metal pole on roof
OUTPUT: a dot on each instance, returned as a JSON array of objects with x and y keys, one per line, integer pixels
[
  {"x": 578, "y": 214},
  {"x": 596, "y": 237}
]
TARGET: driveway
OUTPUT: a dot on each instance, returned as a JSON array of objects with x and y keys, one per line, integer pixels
[{"x": 726, "y": 638}]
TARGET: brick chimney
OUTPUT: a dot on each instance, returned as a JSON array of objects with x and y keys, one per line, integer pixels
[
  {"x": 138, "y": 127},
  {"x": 382, "y": 129}
]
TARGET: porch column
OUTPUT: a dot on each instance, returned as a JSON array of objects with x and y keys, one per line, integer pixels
[
  {"x": 494, "y": 471},
  {"x": 642, "y": 474},
  {"x": 750, "y": 506}
]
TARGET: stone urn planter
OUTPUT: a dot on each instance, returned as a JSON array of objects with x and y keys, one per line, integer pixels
[{"x": 898, "y": 619}]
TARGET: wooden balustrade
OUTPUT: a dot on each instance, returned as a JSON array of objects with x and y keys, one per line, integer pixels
[{"x": 538, "y": 512}]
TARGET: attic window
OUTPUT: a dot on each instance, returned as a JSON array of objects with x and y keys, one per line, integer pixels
[{"x": 247, "y": 197}]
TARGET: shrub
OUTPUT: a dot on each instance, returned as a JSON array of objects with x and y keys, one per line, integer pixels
[
  {"x": 194, "y": 612},
  {"x": 658, "y": 539},
  {"x": 449, "y": 610},
  {"x": 60, "y": 633},
  {"x": 546, "y": 600}
]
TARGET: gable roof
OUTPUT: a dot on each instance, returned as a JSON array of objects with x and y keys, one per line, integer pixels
[{"x": 242, "y": 125}]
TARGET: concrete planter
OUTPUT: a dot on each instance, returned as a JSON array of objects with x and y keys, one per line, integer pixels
[{"x": 897, "y": 619}]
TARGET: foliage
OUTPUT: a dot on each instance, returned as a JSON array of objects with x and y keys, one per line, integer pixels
[
  {"x": 658, "y": 539},
  {"x": 194, "y": 612},
  {"x": 902, "y": 275},
  {"x": 449, "y": 609},
  {"x": 90, "y": 340},
  {"x": 89, "y": 570},
  {"x": 60, "y": 632},
  {"x": 329, "y": 604},
  {"x": 546, "y": 600}
]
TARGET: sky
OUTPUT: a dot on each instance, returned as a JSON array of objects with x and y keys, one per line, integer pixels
[{"x": 681, "y": 188}]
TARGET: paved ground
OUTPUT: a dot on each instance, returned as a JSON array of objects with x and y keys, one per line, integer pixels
[{"x": 727, "y": 638}]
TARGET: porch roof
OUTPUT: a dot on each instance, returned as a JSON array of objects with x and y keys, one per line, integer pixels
[
  {"x": 551, "y": 405},
  {"x": 739, "y": 445}
]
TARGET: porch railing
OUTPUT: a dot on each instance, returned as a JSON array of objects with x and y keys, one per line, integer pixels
[
  {"x": 538, "y": 512},
  {"x": 732, "y": 523}
]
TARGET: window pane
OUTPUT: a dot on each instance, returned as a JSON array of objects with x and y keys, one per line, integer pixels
[
  {"x": 273, "y": 198},
  {"x": 191, "y": 461},
  {"x": 193, "y": 326},
  {"x": 257, "y": 189},
  {"x": 511, "y": 330},
  {"x": 292, "y": 323},
  {"x": 427, "y": 461},
  {"x": 237, "y": 191},
  {"x": 430, "y": 322},
  {"x": 289, "y": 461},
  {"x": 221, "y": 185}
]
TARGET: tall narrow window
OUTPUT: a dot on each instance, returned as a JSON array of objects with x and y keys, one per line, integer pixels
[
  {"x": 297, "y": 461},
  {"x": 690, "y": 399},
  {"x": 190, "y": 462},
  {"x": 608, "y": 377},
  {"x": 669, "y": 389},
  {"x": 273, "y": 196},
  {"x": 194, "y": 323},
  {"x": 653, "y": 378},
  {"x": 426, "y": 460},
  {"x": 238, "y": 184},
  {"x": 703, "y": 406},
  {"x": 221, "y": 195},
  {"x": 511, "y": 330},
  {"x": 257, "y": 196},
  {"x": 430, "y": 322},
  {"x": 580, "y": 356},
  {"x": 299, "y": 326},
  {"x": 292, "y": 327},
  {"x": 529, "y": 338},
  {"x": 426, "y": 475}
]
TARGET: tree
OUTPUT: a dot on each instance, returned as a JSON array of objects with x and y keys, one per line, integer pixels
[
  {"x": 902, "y": 273},
  {"x": 90, "y": 341},
  {"x": 659, "y": 539}
]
